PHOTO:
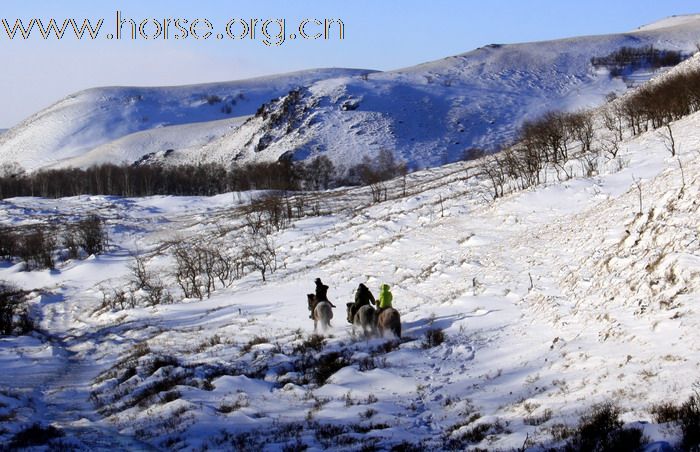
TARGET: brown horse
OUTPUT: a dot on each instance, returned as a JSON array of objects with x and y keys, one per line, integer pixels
[
  {"x": 321, "y": 312},
  {"x": 389, "y": 320}
]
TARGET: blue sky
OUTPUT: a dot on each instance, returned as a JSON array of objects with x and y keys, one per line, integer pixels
[{"x": 379, "y": 34}]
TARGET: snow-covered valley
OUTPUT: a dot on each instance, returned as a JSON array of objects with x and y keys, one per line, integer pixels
[{"x": 550, "y": 300}]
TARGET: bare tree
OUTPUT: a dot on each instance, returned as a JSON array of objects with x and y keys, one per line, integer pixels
[
  {"x": 319, "y": 173},
  {"x": 494, "y": 172},
  {"x": 188, "y": 270},
  {"x": 669, "y": 140},
  {"x": 680, "y": 166},
  {"x": 612, "y": 119},
  {"x": 638, "y": 185},
  {"x": 610, "y": 147},
  {"x": 376, "y": 173},
  {"x": 581, "y": 127},
  {"x": 589, "y": 163},
  {"x": 259, "y": 254}
]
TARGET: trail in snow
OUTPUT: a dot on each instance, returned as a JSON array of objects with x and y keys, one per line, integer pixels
[{"x": 57, "y": 384}]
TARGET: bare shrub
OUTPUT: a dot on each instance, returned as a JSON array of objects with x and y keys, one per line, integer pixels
[
  {"x": 476, "y": 434},
  {"x": 231, "y": 406},
  {"x": 9, "y": 243},
  {"x": 188, "y": 271},
  {"x": 268, "y": 213},
  {"x": 37, "y": 248},
  {"x": 149, "y": 286},
  {"x": 201, "y": 268},
  {"x": 433, "y": 338},
  {"x": 601, "y": 429},
  {"x": 473, "y": 154},
  {"x": 314, "y": 342},
  {"x": 327, "y": 365},
  {"x": 70, "y": 242},
  {"x": 14, "y": 318},
  {"x": 34, "y": 435},
  {"x": 687, "y": 415},
  {"x": 141, "y": 277},
  {"x": 169, "y": 396},
  {"x": 495, "y": 174},
  {"x": 118, "y": 299},
  {"x": 92, "y": 235},
  {"x": 257, "y": 340},
  {"x": 538, "y": 419},
  {"x": 669, "y": 140}
]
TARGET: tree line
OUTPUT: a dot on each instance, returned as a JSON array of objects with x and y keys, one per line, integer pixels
[
  {"x": 634, "y": 58},
  {"x": 207, "y": 179}
]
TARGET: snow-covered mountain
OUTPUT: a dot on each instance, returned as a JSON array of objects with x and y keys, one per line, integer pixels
[
  {"x": 427, "y": 114},
  {"x": 97, "y": 117}
]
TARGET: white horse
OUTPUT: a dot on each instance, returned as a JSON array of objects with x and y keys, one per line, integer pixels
[{"x": 322, "y": 313}]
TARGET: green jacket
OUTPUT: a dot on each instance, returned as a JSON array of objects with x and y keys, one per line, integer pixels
[{"x": 385, "y": 297}]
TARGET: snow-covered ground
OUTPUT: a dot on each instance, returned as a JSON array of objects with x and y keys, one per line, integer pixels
[
  {"x": 550, "y": 300},
  {"x": 427, "y": 114}
]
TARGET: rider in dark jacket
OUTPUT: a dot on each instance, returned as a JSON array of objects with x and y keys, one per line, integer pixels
[
  {"x": 321, "y": 291},
  {"x": 321, "y": 295},
  {"x": 363, "y": 296}
]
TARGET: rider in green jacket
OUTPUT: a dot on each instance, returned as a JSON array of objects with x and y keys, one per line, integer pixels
[{"x": 385, "y": 297}]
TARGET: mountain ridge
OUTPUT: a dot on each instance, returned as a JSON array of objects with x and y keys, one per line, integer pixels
[{"x": 427, "y": 114}]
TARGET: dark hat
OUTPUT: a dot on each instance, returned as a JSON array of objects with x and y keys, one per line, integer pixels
[{"x": 318, "y": 281}]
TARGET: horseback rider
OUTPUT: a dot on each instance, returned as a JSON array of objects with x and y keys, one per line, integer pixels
[
  {"x": 363, "y": 296},
  {"x": 385, "y": 298},
  {"x": 321, "y": 295}
]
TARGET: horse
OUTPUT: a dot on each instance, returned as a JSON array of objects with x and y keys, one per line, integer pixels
[
  {"x": 320, "y": 312},
  {"x": 365, "y": 319},
  {"x": 389, "y": 320}
]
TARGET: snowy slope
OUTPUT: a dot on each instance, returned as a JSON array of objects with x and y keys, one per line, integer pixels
[
  {"x": 427, "y": 114},
  {"x": 669, "y": 22},
  {"x": 160, "y": 140},
  {"x": 551, "y": 300}
]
